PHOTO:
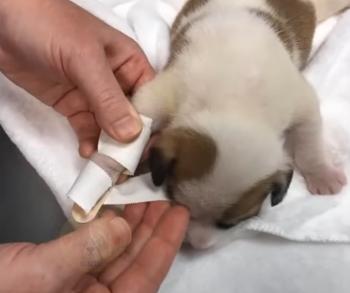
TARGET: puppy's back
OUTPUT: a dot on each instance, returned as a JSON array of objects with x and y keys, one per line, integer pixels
[{"x": 293, "y": 21}]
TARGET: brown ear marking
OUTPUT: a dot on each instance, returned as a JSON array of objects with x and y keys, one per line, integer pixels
[
  {"x": 178, "y": 43},
  {"x": 299, "y": 17},
  {"x": 250, "y": 202},
  {"x": 190, "y": 7},
  {"x": 278, "y": 26},
  {"x": 179, "y": 38},
  {"x": 182, "y": 154}
]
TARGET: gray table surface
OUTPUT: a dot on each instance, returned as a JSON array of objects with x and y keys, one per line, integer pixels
[{"x": 28, "y": 209}]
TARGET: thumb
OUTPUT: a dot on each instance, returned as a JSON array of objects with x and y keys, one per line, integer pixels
[
  {"x": 113, "y": 111},
  {"x": 88, "y": 248}
]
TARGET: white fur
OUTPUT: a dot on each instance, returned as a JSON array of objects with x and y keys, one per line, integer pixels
[{"x": 236, "y": 82}]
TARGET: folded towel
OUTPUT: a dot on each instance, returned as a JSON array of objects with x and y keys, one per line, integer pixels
[{"x": 51, "y": 147}]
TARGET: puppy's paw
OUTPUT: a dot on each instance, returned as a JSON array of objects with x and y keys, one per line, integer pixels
[{"x": 326, "y": 180}]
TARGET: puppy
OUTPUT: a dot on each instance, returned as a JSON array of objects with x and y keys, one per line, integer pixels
[{"x": 236, "y": 115}]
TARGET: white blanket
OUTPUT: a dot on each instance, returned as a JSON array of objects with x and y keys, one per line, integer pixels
[{"x": 50, "y": 146}]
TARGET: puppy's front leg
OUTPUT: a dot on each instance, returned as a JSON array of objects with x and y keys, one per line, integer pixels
[
  {"x": 311, "y": 156},
  {"x": 157, "y": 99}
]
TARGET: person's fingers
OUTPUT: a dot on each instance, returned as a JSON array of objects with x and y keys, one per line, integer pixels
[
  {"x": 114, "y": 113},
  {"x": 141, "y": 235},
  {"x": 148, "y": 75},
  {"x": 127, "y": 77},
  {"x": 153, "y": 262},
  {"x": 108, "y": 213},
  {"x": 86, "y": 249},
  {"x": 89, "y": 284},
  {"x": 18, "y": 262},
  {"x": 96, "y": 288},
  {"x": 168, "y": 237},
  {"x": 75, "y": 107},
  {"x": 87, "y": 147},
  {"x": 87, "y": 131},
  {"x": 134, "y": 213},
  {"x": 71, "y": 103},
  {"x": 84, "y": 283},
  {"x": 133, "y": 73}
]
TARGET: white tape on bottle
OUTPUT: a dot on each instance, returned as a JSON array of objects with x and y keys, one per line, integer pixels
[
  {"x": 93, "y": 188},
  {"x": 91, "y": 184},
  {"x": 129, "y": 154},
  {"x": 135, "y": 190}
]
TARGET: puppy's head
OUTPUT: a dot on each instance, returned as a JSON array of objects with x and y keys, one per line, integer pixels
[{"x": 222, "y": 175}]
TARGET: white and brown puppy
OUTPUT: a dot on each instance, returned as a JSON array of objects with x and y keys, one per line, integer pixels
[{"x": 235, "y": 111}]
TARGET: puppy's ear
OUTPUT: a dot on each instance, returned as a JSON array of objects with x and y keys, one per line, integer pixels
[
  {"x": 280, "y": 187},
  {"x": 181, "y": 154}
]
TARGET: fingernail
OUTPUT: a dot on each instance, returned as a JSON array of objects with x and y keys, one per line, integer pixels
[{"x": 127, "y": 128}]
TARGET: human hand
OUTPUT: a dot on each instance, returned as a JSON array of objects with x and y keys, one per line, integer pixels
[
  {"x": 158, "y": 231},
  {"x": 65, "y": 264},
  {"x": 74, "y": 63},
  {"x": 72, "y": 263}
]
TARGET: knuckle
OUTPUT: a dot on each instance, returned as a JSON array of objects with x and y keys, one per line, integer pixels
[
  {"x": 132, "y": 46},
  {"x": 40, "y": 276},
  {"x": 140, "y": 60},
  {"x": 78, "y": 55},
  {"x": 96, "y": 248},
  {"x": 109, "y": 101},
  {"x": 136, "y": 49},
  {"x": 87, "y": 48},
  {"x": 133, "y": 68},
  {"x": 103, "y": 241},
  {"x": 67, "y": 54}
]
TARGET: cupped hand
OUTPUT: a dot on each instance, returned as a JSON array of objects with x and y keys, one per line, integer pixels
[
  {"x": 100, "y": 257},
  {"x": 74, "y": 62},
  {"x": 158, "y": 231},
  {"x": 65, "y": 264}
]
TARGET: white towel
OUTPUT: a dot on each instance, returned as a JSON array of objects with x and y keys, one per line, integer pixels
[{"x": 51, "y": 146}]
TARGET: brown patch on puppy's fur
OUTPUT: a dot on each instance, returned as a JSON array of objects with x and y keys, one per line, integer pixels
[
  {"x": 178, "y": 42},
  {"x": 300, "y": 20},
  {"x": 279, "y": 27},
  {"x": 190, "y": 7},
  {"x": 178, "y": 35},
  {"x": 294, "y": 23},
  {"x": 182, "y": 154},
  {"x": 250, "y": 202}
]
